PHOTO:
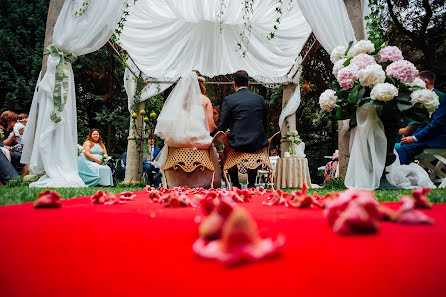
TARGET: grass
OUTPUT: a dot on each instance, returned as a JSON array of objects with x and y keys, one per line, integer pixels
[{"x": 17, "y": 191}]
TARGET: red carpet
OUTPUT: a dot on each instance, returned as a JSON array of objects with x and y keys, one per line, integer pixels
[{"x": 142, "y": 249}]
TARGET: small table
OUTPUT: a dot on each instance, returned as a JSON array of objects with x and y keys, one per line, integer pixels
[{"x": 292, "y": 172}]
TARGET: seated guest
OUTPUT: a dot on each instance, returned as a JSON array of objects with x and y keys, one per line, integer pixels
[
  {"x": 216, "y": 115},
  {"x": 432, "y": 135},
  {"x": 153, "y": 172},
  {"x": 92, "y": 167},
  {"x": 23, "y": 118},
  {"x": 9, "y": 119},
  {"x": 19, "y": 129},
  {"x": 406, "y": 131},
  {"x": 7, "y": 170}
]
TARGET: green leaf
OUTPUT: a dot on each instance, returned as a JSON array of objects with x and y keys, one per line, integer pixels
[
  {"x": 360, "y": 94},
  {"x": 347, "y": 62},
  {"x": 352, "y": 97},
  {"x": 364, "y": 101},
  {"x": 377, "y": 103},
  {"x": 403, "y": 97},
  {"x": 348, "y": 48},
  {"x": 353, "y": 122},
  {"x": 403, "y": 106}
]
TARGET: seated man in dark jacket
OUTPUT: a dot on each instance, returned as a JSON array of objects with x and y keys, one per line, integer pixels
[
  {"x": 432, "y": 135},
  {"x": 244, "y": 114}
]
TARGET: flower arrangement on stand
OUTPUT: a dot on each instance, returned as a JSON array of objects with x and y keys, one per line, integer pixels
[
  {"x": 381, "y": 77},
  {"x": 293, "y": 137}
]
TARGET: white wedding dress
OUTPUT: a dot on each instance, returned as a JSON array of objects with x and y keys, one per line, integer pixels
[{"x": 183, "y": 123}]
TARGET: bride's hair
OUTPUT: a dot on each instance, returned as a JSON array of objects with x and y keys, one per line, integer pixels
[{"x": 201, "y": 81}]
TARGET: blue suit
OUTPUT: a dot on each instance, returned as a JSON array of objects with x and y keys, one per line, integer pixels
[
  {"x": 147, "y": 167},
  {"x": 432, "y": 135}
]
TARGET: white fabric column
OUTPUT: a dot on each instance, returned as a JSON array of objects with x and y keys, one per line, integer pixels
[
  {"x": 150, "y": 90},
  {"x": 329, "y": 21},
  {"x": 51, "y": 148}
]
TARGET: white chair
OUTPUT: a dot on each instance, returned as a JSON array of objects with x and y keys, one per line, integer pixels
[
  {"x": 261, "y": 173},
  {"x": 437, "y": 174}
]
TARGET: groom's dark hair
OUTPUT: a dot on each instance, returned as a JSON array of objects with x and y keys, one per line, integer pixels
[{"x": 241, "y": 78}]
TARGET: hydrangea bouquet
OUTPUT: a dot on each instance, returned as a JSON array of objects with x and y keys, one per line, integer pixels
[{"x": 380, "y": 77}]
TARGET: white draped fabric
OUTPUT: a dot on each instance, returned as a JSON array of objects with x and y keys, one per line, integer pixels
[
  {"x": 169, "y": 37},
  {"x": 329, "y": 21},
  {"x": 51, "y": 148},
  {"x": 332, "y": 27},
  {"x": 150, "y": 90},
  {"x": 368, "y": 146},
  {"x": 409, "y": 176},
  {"x": 182, "y": 121}
]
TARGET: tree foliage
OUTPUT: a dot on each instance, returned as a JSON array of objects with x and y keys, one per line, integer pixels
[
  {"x": 417, "y": 27},
  {"x": 22, "y": 32}
]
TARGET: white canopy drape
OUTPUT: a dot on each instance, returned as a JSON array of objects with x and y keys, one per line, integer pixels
[
  {"x": 166, "y": 38},
  {"x": 169, "y": 37},
  {"x": 172, "y": 36},
  {"x": 51, "y": 145}
]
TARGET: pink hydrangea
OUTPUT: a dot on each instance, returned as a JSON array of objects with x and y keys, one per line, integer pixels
[
  {"x": 347, "y": 76},
  {"x": 402, "y": 70},
  {"x": 390, "y": 54},
  {"x": 362, "y": 61}
]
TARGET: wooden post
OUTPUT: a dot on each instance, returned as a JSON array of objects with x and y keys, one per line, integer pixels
[
  {"x": 54, "y": 9},
  {"x": 133, "y": 168},
  {"x": 288, "y": 91},
  {"x": 355, "y": 14}
]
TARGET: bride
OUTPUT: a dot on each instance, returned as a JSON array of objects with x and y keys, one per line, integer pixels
[{"x": 186, "y": 121}]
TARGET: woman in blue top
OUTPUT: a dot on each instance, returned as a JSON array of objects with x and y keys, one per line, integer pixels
[{"x": 92, "y": 167}]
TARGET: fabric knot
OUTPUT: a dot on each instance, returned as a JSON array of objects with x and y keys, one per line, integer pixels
[{"x": 60, "y": 92}]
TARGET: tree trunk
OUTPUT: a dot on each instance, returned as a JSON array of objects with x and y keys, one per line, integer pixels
[
  {"x": 53, "y": 13},
  {"x": 135, "y": 147},
  {"x": 356, "y": 18}
]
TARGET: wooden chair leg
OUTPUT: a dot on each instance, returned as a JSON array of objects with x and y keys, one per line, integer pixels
[
  {"x": 225, "y": 175},
  {"x": 164, "y": 180},
  {"x": 212, "y": 181}
]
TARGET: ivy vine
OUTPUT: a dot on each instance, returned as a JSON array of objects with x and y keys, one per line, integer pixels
[
  {"x": 374, "y": 24},
  {"x": 245, "y": 35}
]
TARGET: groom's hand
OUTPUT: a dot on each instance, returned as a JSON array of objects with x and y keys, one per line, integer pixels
[{"x": 407, "y": 140}]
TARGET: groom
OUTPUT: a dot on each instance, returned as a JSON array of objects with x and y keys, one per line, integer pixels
[{"x": 244, "y": 114}]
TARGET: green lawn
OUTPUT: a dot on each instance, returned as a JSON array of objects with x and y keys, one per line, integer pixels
[{"x": 16, "y": 192}]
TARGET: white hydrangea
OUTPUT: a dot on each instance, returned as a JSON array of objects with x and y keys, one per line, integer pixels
[
  {"x": 363, "y": 47},
  {"x": 337, "y": 53},
  {"x": 426, "y": 97},
  {"x": 372, "y": 75},
  {"x": 327, "y": 100},
  {"x": 384, "y": 92},
  {"x": 338, "y": 66},
  {"x": 417, "y": 82}
]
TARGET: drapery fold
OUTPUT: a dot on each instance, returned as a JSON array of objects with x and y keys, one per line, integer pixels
[
  {"x": 175, "y": 36},
  {"x": 329, "y": 21},
  {"x": 51, "y": 146},
  {"x": 368, "y": 147}
]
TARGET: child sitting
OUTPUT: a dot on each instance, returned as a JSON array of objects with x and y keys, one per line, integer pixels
[{"x": 19, "y": 129}]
